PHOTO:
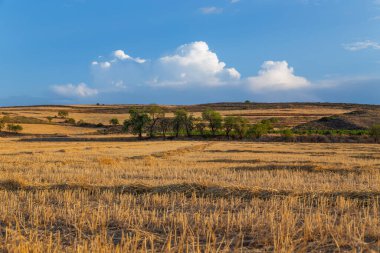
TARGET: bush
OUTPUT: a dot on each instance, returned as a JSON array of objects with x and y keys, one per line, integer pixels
[
  {"x": 114, "y": 121},
  {"x": 287, "y": 134},
  {"x": 70, "y": 121},
  {"x": 258, "y": 130},
  {"x": 2, "y": 124},
  {"x": 63, "y": 114},
  {"x": 14, "y": 128},
  {"x": 374, "y": 132}
]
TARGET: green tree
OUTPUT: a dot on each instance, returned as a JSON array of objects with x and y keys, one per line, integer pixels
[
  {"x": 137, "y": 123},
  {"x": 164, "y": 125},
  {"x": 49, "y": 118},
  {"x": 155, "y": 113},
  {"x": 213, "y": 118},
  {"x": 63, "y": 114},
  {"x": 114, "y": 121},
  {"x": 200, "y": 126},
  {"x": 229, "y": 124},
  {"x": 189, "y": 125},
  {"x": 241, "y": 126},
  {"x": 374, "y": 132},
  {"x": 180, "y": 121}
]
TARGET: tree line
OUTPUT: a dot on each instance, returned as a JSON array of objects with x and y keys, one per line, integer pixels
[{"x": 153, "y": 122}]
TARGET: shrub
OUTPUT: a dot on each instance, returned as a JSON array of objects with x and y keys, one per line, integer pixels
[
  {"x": 114, "y": 121},
  {"x": 70, "y": 121},
  {"x": 287, "y": 134},
  {"x": 14, "y": 128},
  {"x": 374, "y": 132},
  {"x": 258, "y": 130},
  {"x": 63, "y": 114},
  {"x": 2, "y": 124}
]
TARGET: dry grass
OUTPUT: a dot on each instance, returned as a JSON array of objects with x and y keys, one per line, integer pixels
[
  {"x": 93, "y": 114},
  {"x": 188, "y": 197},
  {"x": 52, "y": 129},
  {"x": 179, "y": 196}
]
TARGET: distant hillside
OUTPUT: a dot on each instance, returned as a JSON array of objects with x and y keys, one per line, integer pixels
[
  {"x": 354, "y": 120},
  {"x": 222, "y": 106}
]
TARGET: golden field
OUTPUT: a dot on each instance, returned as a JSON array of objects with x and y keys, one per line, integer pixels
[
  {"x": 102, "y": 114},
  {"x": 188, "y": 196}
]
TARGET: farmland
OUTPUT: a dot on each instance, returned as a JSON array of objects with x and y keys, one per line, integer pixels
[{"x": 185, "y": 195}]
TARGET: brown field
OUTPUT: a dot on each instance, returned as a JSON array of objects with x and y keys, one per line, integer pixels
[
  {"x": 188, "y": 197},
  {"x": 102, "y": 114}
]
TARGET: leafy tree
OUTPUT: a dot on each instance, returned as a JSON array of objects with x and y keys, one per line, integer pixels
[
  {"x": 137, "y": 123},
  {"x": 63, "y": 114},
  {"x": 14, "y": 128},
  {"x": 213, "y": 118},
  {"x": 189, "y": 124},
  {"x": 155, "y": 113},
  {"x": 229, "y": 124},
  {"x": 180, "y": 121},
  {"x": 200, "y": 126},
  {"x": 374, "y": 132},
  {"x": 114, "y": 121},
  {"x": 241, "y": 126},
  {"x": 164, "y": 125},
  {"x": 49, "y": 118}
]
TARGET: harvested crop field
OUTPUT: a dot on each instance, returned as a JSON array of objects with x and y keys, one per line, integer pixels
[{"x": 188, "y": 196}]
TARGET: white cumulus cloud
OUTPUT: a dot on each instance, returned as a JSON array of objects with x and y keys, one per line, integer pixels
[
  {"x": 276, "y": 76},
  {"x": 121, "y": 55},
  {"x": 192, "y": 64},
  {"x": 70, "y": 90},
  {"x": 190, "y": 67}
]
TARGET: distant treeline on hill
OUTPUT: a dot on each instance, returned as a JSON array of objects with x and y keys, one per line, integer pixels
[{"x": 152, "y": 122}]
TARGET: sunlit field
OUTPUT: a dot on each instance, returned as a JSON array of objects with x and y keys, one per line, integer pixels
[{"x": 188, "y": 196}]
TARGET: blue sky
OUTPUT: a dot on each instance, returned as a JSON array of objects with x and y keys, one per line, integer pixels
[{"x": 182, "y": 52}]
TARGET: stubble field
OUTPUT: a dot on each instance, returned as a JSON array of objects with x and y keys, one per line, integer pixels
[{"x": 188, "y": 196}]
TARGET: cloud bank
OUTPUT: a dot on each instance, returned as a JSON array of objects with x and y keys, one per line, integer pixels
[
  {"x": 191, "y": 65},
  {"x": 194, "y": 73}
]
